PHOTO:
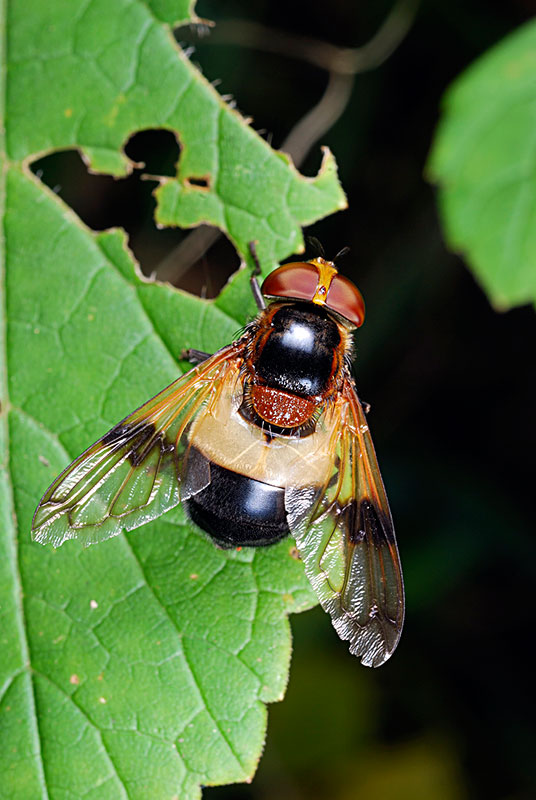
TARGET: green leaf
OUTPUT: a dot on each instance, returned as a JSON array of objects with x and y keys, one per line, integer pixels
[
  {"x": 140, "y": 667},
  {"x": 484, "y": 161},
  {"x": 95, "y": 77}
]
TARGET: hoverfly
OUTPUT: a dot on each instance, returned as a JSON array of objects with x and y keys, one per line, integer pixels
[{"x": 265, "y": 438}]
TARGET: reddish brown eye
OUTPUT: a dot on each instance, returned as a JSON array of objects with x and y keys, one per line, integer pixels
[
  {"x": 345, "y": 299},
  {"x": 302, "y": 280},
  {"x": 297, "y": 280}
]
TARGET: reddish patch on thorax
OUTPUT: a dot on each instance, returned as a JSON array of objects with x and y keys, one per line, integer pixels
[{"x": 281, "y": 408}]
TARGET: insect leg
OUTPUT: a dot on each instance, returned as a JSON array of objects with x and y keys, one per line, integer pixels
[
  {"x": 195, "y": 356},
  {"x": 366, "y": 406},
  {"x": 254, "y": 283}
]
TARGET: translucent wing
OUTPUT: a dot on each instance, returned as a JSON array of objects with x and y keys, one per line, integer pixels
[
  {"x": 345, "y": 537},
  {"x": 132, "y": 474}
]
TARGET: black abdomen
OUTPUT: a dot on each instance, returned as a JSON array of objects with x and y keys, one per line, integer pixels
[{"x": 234, "y": 510}]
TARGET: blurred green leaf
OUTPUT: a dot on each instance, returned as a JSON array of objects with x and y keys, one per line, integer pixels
[
  {"x": 137, "y": 668},
  {"x": 484, "y": 161}
]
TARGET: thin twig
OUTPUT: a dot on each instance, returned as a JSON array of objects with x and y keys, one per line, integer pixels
[
  {"x": 343, "y": 60},
  {"x": 319, "y": 119},
  {"x": 192, "y": 248}
]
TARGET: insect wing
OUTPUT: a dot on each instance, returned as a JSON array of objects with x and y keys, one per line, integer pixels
[
  {"x": 345, "y": 537},
  {"x": 131, "y": 475}
]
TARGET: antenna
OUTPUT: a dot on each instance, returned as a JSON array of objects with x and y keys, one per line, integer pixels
[
  {"x": 316, "y": 246},
  {"x": 341, "y": 254}
]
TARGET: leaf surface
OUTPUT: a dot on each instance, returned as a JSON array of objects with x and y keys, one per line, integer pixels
[
  {"x": 484, "y": 160},
  {"x": 140, "y": 667}
]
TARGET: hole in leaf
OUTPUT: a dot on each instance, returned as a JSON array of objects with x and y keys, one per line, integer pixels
[
  {"x": 199, "y": 183},
  {"x": 201, "y": 267},
  {"x": 157, "y": 150}
]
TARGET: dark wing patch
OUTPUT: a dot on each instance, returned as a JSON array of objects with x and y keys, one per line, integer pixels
[
  {"x": 345, "y": 536},
  {"x": 131, "y": 475},
  {"x": 138, "y": 438}
]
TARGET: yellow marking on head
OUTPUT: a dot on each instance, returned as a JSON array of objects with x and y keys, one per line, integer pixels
[{"x": 326, "y": 273}]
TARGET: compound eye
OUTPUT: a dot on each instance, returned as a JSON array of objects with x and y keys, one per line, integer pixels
[
  {"x": 345, "y": 299},
  {"x": 296, "y": 281}
]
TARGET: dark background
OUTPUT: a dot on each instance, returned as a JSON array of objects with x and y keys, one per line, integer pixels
[{"x": 451, "y": 386}]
